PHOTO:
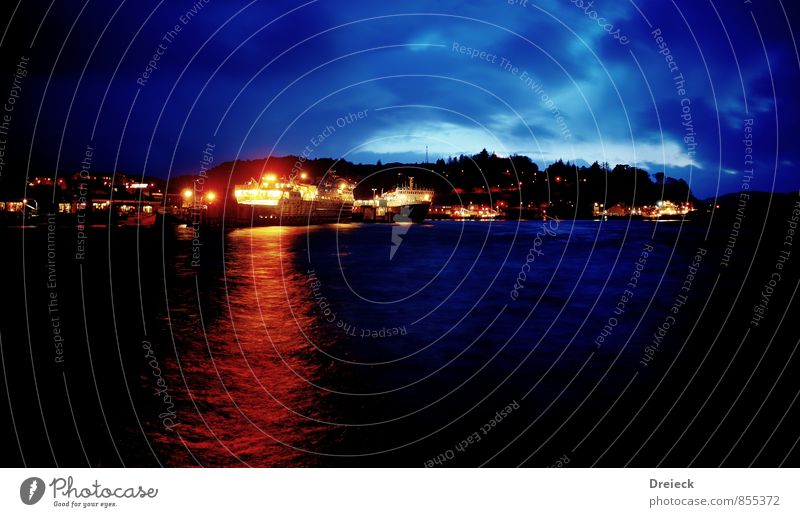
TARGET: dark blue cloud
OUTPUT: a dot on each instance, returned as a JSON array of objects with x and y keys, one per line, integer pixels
[{"x": 546, "y": 79}]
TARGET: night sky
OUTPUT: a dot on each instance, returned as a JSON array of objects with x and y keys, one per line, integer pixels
[{"x": 576, "y": 80}]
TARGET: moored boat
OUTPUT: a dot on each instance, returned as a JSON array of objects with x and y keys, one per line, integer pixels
[
  {"x": 405, "y": 203},
  {"x": 274, "y": 201}
]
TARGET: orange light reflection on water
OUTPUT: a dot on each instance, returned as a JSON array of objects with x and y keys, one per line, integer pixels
[{"x": 248, "y": 369}]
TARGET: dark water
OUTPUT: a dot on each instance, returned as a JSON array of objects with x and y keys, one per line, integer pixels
[{"x": 317, "y": 346}]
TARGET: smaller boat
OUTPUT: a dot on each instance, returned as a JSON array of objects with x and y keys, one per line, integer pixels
[
  {"x": 138, "y": 218},
  {"x": 404, "y": 204}
]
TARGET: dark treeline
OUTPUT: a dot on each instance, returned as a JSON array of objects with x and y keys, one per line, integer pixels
[{"x": 483, "y": 178}]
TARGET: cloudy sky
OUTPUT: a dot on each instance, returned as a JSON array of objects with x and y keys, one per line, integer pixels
[{"x": 552, "y": 79}]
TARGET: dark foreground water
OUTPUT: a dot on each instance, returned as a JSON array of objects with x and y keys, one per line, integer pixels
[{"x": 503, "y": 344}]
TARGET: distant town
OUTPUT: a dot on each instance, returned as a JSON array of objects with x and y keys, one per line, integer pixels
[{"x": 482, "y": 186}]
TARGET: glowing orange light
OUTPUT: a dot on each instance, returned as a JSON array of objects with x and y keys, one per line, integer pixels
[
  {"x": 303, "y": 176},
  {"x": 211, "y": 196},
  {"x": 187, "y": 193},
  {"x": 270, "y": 177}
]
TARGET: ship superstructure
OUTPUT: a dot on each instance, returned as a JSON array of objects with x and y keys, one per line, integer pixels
[{"x": 274, "y": 201}]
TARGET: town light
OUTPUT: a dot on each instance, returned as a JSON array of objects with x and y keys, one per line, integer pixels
[
  {"x": 187, "y": 193},
  {"x": 303, "y": 176},
  {"x": 270, "y": 177},
  {"x": 211, "y": 196}
]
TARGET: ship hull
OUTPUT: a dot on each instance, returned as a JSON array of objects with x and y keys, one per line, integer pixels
[
  {"x": 297, "y": 215},
  {"x": 415, "y": 213},
  {"x": 404, "y": 204}
]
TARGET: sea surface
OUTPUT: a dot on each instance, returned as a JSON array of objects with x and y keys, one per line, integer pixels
[{"x": 439, "y": 344}]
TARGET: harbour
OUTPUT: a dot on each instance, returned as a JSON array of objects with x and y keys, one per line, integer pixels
[
  {"x": 267, "y": 193},
  {"x": 313, "y": 318}
]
